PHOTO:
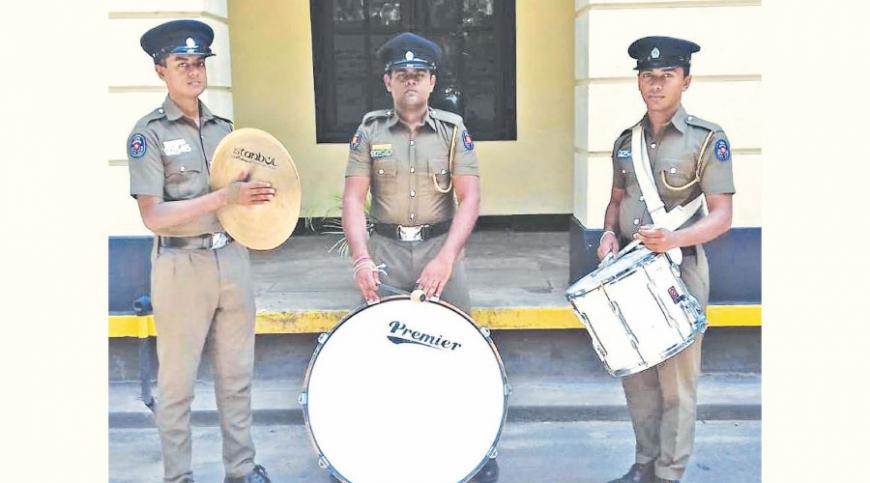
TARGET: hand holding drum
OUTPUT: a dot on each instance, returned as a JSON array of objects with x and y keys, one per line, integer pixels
[{"x": 263, "y": 185}]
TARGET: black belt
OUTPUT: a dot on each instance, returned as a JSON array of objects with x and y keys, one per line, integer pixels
[
  {"x": 426, "y": 232},
  {"x": 209, "y": 241},
  {"x": 687, "y": 251}
]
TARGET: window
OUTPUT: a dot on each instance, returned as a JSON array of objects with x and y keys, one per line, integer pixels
[{"x": 478, "y": 38}]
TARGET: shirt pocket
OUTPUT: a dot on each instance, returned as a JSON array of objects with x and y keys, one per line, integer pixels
[
  {"x": 183, "y": 177},
  {"x": 384, "y": 175},
  {"x": 626, "y": 169},
  {"x": 439, "y": 172},
  {"x": 677, "y": 173}
]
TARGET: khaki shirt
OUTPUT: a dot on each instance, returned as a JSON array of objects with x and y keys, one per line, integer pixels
[
  {"x": 402, "y": 164},
  {"x": 169, "y": 157},
  {"x": 675, "y": 154}
]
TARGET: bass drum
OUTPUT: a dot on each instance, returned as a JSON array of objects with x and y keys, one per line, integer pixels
[{"x": 405, "y": 391}]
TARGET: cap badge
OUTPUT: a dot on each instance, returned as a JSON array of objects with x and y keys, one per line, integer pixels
[
  {"x": 190, "y": 43},
  {"x": 655, "y": 53},
  {"x": 409, "y": 55}
]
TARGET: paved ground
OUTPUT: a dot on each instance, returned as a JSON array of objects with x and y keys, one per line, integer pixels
[
  {"x": 563, "y": 452},
  {"x": 505, "y": 269}
]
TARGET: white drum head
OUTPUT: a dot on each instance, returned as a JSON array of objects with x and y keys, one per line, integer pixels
[{"x": 404, "y": 391}]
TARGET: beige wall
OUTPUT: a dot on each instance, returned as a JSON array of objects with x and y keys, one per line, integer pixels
[
  {"x": 726, "y": 88},
  {"x": 273, "y": 89},
  {"x": 135, "y": 90}
]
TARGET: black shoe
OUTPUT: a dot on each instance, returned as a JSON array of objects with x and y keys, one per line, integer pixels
[
  {"x": 638, "y": 474},
  {"x": 257, "y": 475},
  {"x": 487, "y": 474}
]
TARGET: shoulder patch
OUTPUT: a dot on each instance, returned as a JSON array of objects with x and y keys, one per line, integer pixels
[
  {"x": 466, "y": 140},
  {"x": 356, "y": 140},
  {"x": 722, "y": 150},
  {"x": 376, "y": 114},
  {"x": 446, "y": 116},
  {"x": 698, "y": 122},
  {"x": 136, "y": 145}
]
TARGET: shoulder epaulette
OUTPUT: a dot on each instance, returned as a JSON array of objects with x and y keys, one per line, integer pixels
[
  {"x": 151, "y": 116},
  {"x": 370, "y": 116},
  {"x": 446, "y": 116},
  {"x": 698, "y": 122}
]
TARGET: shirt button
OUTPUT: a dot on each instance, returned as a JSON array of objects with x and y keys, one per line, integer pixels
[
  {"x": 636, "y": 221},
  {"x": 623, "y": 171},
  {"x": 690, "y": 118},
  {"x": 642, "y": 198},
  {"x": 653, "y": 145},
  {"x": 443, "y": 171},
  {"x": 413, "y": 193},
  {"x": 412, "y": 142},
  {"x": 412, "y": 216},
  {"x": 412, "y": 169},
  {"x": 673, "y": 170},
  {"x": 182, "y": 169},
  {"x": 380, "y": 171}
]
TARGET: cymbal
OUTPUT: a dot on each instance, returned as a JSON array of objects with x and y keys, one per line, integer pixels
[{"x": 264, "y": 158}]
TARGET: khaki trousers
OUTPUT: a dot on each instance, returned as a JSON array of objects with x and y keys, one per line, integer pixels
[
  {"x": 199, "y": 295},
  {"x": 405, "y": 261},
  {"x": 662, "y": 400}
]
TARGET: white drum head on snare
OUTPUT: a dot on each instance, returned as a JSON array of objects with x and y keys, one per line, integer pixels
[{"x": 404, "y": 391}]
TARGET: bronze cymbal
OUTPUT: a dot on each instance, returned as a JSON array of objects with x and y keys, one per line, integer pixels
[{"x": 263, "y": 158}]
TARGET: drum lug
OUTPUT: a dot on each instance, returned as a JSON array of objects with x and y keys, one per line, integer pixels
[
  {"x": 322, "y": 338},
  {"x": 508, "y": 390},
  {"x": 303, "y": 398},
  {"x": 493, "y": 453},
  {"x": 321, "y": 462},
  {"x": 675, "y": 269},
  {"x": 485, "y": 332}
]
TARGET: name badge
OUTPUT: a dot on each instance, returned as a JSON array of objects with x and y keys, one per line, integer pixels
[
  {"x": 381, "y": 150},
  {"x": 175, "y": 147},
  {"x": 623, "y": 153}
]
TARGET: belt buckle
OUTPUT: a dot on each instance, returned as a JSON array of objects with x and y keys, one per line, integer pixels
[
  {"x": 410, "y": 233},
  {"x": 218, "y": 240}
]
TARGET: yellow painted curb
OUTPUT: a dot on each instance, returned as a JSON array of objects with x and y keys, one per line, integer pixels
[{"x": 313, "y": 321}]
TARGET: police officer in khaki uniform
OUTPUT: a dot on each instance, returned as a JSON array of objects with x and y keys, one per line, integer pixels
[
  {"x": 200, "y": 279},
  {"x": 689, "y": 157},
  {"x": 414, "y": 159}
]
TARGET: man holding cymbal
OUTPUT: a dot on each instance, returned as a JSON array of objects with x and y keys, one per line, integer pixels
[{"x": 200, "y": 279}]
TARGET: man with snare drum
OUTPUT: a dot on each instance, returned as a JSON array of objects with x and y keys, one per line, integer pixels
[
  {"x": 688, "y": 157},
  {"x": 414, "y": 159}
]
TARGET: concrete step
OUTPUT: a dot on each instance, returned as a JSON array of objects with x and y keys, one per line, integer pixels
[{"x": 721, "y": 396}]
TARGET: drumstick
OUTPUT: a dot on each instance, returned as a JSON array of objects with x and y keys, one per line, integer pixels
[{"x": 416, "y": 296}]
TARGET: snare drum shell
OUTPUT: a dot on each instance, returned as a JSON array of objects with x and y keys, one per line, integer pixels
[
  {"x": 399, "y": 386},
  {"x": 638, "y": 312}
]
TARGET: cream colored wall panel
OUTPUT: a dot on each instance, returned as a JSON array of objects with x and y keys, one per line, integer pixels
[
  {"x": 749, "y": 185},
  {"x": 122, "y": 212},
  {"x": 131, "y": 66},
  {"x": 597, "y": 191},
  {"x": 581, "y": 117},
  {"x": 581, "y": 47},
  {"x": 728, "y": 36},
  {"x": 579, "y": 190},
  {"x": 126, "y": 108},
  {"x": 625, "y": 4},
  {"x": 736, "y": 106},
  {"x": 214, "y": 7}
]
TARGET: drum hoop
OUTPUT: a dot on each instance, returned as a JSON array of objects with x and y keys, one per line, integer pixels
[
  {"x": 365, "y": 306},
  {"x": 620, "y": 275},
  {"x": 700, "y": 327}
]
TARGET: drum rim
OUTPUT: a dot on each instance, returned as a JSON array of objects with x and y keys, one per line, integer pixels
[
  {"x": 700, "y": 328},
  {"x": 364, "y": 306},
  {"x": 644, "y": 260}
]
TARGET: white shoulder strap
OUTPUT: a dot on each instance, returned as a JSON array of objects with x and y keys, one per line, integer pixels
[{"x": 661, "y": 217}]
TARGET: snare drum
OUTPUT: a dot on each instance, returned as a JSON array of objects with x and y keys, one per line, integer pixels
[
  {"x": 405, "y": 391},
  {"x": 637, "y": 310}
]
